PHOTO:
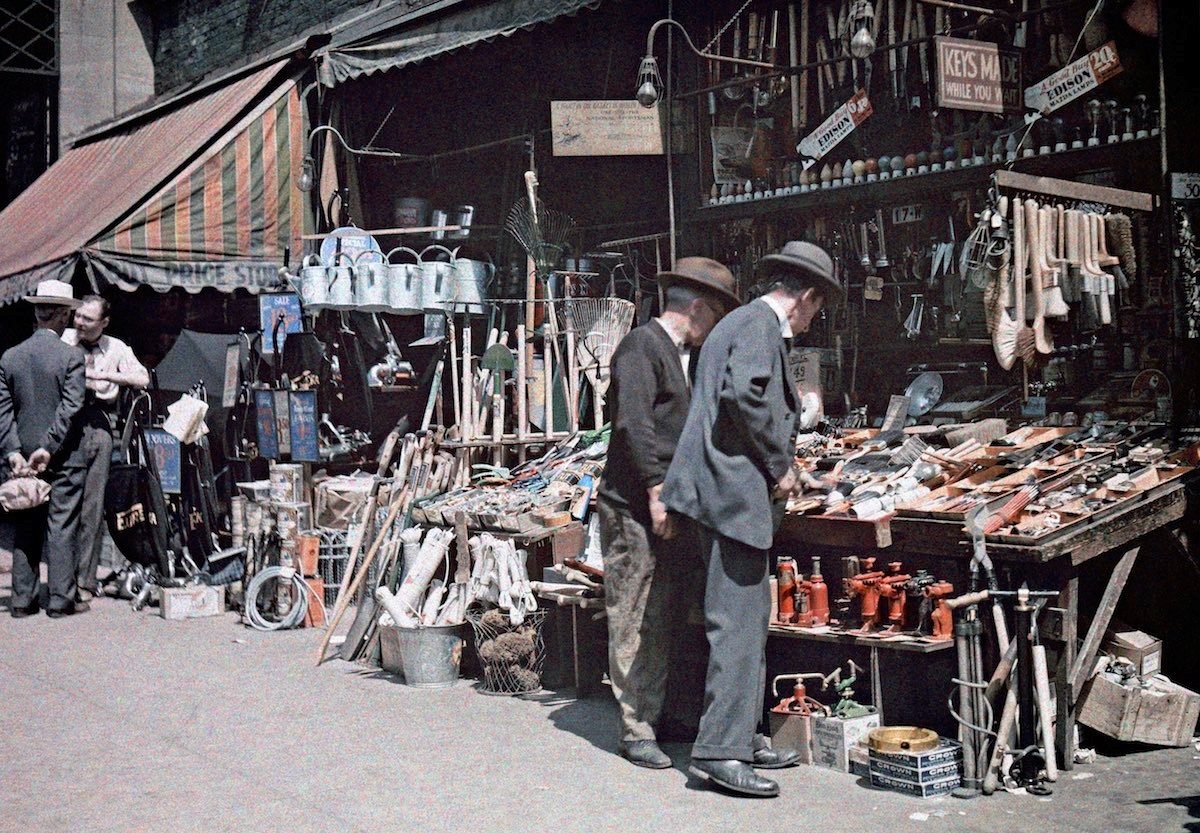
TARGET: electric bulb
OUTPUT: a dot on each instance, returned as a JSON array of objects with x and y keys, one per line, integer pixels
[
  {"x": 307, "y": 175},
  {"x": 647, "y": 96},
  {"x": 862, "y": 44}
]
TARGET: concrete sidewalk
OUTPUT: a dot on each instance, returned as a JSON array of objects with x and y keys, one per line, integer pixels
[{"x": 121, "y": 721}]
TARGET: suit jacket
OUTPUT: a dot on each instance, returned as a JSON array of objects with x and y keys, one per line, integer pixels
[
  {"x": 648, "y": 400},
  {"x": 739, "y": 436},
  {"x": 42, "y": 388}
]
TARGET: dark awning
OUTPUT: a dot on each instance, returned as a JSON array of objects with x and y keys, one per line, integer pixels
[
  {"x": 200, "y": 195},
  {"x": 460, "y": 28}
]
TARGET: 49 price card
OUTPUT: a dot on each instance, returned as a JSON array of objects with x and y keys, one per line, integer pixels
[
  {"x": 834, "y": 129},
  {"x": 1075, "y": 79}
]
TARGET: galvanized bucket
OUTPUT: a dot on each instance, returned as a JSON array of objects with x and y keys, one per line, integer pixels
[
  {"x": 341, "y": 282},
  {"x": 428, "y": 655},
  {"x": 314, "y": 289},
  {"x": 404, "y": 283},
  {"x": 474, "y": 278},
  {"x": 439, "y": 283},
  {"x": 371, "y": 282}
]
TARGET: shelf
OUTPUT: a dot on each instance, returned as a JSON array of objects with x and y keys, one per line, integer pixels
[
  {"x": 922, "y": 186},
  {"x": 911, "y": 644}
]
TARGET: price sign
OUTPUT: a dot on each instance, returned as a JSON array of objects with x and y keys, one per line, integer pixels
[
  {"x": 902, "y": 214},
  {"x": 1185, "y": 186},
  {"x": 1075, "y": 79},
  {"x": 834, "y": 129}
]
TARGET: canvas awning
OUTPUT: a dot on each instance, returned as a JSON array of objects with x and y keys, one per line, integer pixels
[
  {"x": 201, "y": 195},
  {"x": 464, "y": 27}
]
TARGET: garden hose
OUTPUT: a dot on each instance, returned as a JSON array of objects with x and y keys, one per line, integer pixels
[{"x": 299, "y": 607}]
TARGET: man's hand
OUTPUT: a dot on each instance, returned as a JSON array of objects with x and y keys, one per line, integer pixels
[
  {"x": 38, "y": 460},
  {"x": 787, "y": 485},
  {"x": 661, "y": 522},
  {"x": 17, "y": 464}
]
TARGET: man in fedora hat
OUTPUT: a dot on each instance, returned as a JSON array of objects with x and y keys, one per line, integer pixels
[
  {"x": 732, "y": 473},
  {"x": 645, "y": 548},
  {"x": 41, "y": 391}
]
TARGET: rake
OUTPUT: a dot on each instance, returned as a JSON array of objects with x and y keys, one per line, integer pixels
[{"x": 600, "y": 323}]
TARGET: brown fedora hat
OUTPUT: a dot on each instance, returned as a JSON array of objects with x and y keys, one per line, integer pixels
[
  {"x": 703, "y": 274},
  {"x": 806, "y": 259}
]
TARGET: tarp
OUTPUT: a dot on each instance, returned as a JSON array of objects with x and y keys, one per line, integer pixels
[
  {"x": 200, "y": 189},
  {"x": 461, "y": 28}
]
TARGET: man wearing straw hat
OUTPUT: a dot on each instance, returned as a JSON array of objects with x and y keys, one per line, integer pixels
[
  {"x": 41, "y": 392},
  {"x": 644, "y": 547},
  {"x": 732, "y": 474}
]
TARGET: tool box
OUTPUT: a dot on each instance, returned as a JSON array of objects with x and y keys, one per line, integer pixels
[{"x": 933, "y": 772}]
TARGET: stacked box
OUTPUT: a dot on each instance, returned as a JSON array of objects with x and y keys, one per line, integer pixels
[
  {"x": 934, "y": 772},
  {"x": 834, "y": 737}
]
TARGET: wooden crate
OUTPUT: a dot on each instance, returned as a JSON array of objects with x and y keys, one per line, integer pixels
[{"x": 1163, "y": 715}]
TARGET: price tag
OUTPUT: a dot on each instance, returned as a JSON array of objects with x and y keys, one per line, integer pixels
[
  {"x": 1075, "y": 79},
  {"x": 902, "y": 214},
  {"x": 1185, "y": 186}
]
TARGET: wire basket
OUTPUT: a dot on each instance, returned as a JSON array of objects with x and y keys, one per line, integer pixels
[
  {"x": 511, "y": 656},
  {"x": 331, "y": 561}
]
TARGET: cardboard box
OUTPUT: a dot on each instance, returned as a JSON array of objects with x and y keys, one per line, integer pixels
[
  {"x": 191, "y": 602},
  {"x": 933, "y": 768},
  {"x": 833, "y": 738},
  {"x": 791, "y": 733},
  {"x": 1142, "y": 649},
  {"x": 1161, "y": 713},
  {"x": 929, "y": 790}
]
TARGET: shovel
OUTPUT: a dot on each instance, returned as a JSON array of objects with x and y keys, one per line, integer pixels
[{"x": 499, "y": 360}]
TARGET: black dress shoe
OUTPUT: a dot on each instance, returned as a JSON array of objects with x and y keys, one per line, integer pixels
[
  {"x": 645, "y": 753},
  {"x": 775, "y": 759},
  {"x": 28, "y": 610},
  {"x": 735, "y": 776},
  {"x": 60, "y": 612}
]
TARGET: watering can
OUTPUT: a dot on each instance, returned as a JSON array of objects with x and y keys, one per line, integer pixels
[
  {"x": 474, "y": 277},
  {"x": 404, "y": 283},
  {"x": 314, "y": 288},
  {"x": 439, "y": 282},
  {"x": 341, "y": 282},
  {"x": 371, "y": 282}
]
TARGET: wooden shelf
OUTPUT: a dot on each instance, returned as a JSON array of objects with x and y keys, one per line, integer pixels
[
  {"x": 910, "y": 644},
  {"x": 923, "y": 186}
]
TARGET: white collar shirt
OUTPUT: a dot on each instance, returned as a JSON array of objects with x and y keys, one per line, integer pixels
[{"x": 785, "y": 328}]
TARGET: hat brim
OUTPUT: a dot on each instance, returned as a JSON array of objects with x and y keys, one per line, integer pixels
[
  {"x": 38, "y": 300},
  {"x": 669, "y": 279},
  {"x": 833, "y": 290}
]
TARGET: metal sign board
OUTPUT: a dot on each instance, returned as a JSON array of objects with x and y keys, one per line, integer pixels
[
  {"x": 605, "y": 128},
  {"x": 978, "y": 75},
  {"x": 1075, "y": 79}
]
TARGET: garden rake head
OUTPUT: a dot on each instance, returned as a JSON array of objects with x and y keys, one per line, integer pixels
[{"x": 543, "y": 233}]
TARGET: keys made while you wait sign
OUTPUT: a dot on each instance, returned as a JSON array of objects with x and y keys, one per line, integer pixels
[{"x": 978, "y": 75}]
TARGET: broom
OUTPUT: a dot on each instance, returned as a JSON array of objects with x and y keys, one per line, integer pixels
[
  {"x": 601, "y": 324},
  {"x": 1037, "y": 251},
  {"x": 1004, "y": 332},
  {"x": 1027, "y": 237},
  {"x": 1056, "y": 303}
]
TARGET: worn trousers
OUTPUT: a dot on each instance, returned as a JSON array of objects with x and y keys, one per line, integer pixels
[
  {"x": 737, "y": 612},
  {"x": 641, "y": 573},
  {"x": 97, "y": 445},
  {"x": 49, "y": 532}
]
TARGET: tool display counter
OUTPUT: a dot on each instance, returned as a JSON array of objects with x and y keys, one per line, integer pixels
[{"x": 1056, "y": 562}]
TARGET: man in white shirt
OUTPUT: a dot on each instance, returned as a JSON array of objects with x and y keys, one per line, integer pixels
[{"x": 110, "y": 365}]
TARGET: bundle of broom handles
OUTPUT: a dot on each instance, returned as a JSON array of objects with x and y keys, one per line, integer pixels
[{"x": 420, "y": 470}]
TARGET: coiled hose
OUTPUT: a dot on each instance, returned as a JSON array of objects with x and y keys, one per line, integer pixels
[{"x": 299, "y": 608}]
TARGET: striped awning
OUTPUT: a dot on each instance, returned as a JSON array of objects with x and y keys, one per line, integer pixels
[{"x": 199, "y": 196}]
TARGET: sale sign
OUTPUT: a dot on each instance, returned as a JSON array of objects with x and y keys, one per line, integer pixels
[
  {"x": 1075, "y": 79},
  {"x": 834, "y": 129}
]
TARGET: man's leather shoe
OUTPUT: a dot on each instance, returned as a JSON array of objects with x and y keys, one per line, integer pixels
[
  {"x": 735, "y": 776},
  {"x": 645, "y": 753},
  {"x": 60, "y": 612},
  {"x": 775, "y": 759},
  {"x": 85, "y": 595},
  {"x": 82, "y": 607},
  {"x": 27, "y": 610}
]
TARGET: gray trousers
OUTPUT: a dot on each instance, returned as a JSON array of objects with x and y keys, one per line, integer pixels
[
  {"x": 737, "y": 612},
  {"x": 97, "y": 445},
  {"x": 640, "y": 579},
  {"x": 49, "y": 531}
]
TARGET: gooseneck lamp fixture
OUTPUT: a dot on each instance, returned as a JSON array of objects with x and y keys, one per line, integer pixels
[
  {"x": 862, "y": 19},
  {"x": 649, "y": 82},
  {"x": 308, "y": 170}
]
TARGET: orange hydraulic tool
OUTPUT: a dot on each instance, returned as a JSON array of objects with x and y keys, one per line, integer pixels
[
  {"x": 799, "y": 703},
  {"x": 865, "y": 585},
  {"x": 943, "y": 620},
  {"x": 787, "y": 590},
  {"x": 894, "y": 588},
  {"x": 815, "y": 612}
]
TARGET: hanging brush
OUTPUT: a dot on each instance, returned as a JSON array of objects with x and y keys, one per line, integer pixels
[
  {"x": 600, "y": 324},
  {"x": 1026, "y": 336}
]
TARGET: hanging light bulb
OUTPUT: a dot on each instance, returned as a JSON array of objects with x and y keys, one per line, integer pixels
[
  {"x": 307, "y": 174},
  {"x": 650, "y": 86},
  {"x": 862, "y": 16}
]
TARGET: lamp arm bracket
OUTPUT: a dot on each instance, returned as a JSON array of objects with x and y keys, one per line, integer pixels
[{"x": 706, "y": 55}]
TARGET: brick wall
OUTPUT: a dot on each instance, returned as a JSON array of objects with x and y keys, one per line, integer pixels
[{"x": 196, "y": 37}]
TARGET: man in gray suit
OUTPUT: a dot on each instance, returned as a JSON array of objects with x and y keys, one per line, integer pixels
[
  {"x": 732, "y": 473},
  {"x": 41, "y": 391}
]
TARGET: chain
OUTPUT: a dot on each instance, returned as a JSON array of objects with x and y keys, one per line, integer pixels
[{"x": 728, "y": 23}]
